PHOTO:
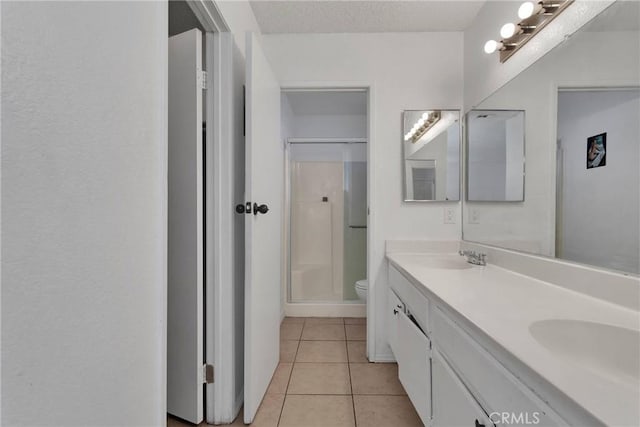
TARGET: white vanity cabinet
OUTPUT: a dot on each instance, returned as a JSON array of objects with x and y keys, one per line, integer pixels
[
  {"x": 453, "y": 403},
  {"x": 411, "y": 347},
  {"x": 450, "y": 378}
]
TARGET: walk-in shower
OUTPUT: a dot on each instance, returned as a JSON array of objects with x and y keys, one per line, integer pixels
[{"x": 328, "y": 219}]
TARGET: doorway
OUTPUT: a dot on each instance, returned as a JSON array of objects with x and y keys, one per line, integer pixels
[{"x": 325, "y": 134}]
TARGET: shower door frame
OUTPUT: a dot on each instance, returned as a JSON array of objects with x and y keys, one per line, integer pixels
[
  {"x": 345, "y": 308},
  {"x": 338, "y": 309}
]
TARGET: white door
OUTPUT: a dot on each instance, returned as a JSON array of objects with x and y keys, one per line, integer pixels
[
  {"x": 263, "y": 236},
  {"x": 185, "y": 240}
]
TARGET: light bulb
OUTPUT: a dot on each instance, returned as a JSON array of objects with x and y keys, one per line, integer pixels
[
  {"x": 528, "y": 9},
  {"x": 491, "y": 46},
  {"x": 421, "y": 122},
  {"x": 425, "y": 116},
  {"x": 407, "y": 137},
  {"x": 507, "y": 30}
]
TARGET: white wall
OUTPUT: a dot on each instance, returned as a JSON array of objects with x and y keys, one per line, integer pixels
[
  {"x": 329, "y": 126},
  {"x": 585, "y": 60},
  {"x": 84, "y": 213},
  {"x": 380, "y": 60},
  {"x": 484, "y": 74},
  {"x": 600, "y": 205}
]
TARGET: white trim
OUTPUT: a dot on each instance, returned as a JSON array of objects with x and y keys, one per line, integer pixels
[
  {"x": 163, "y": 46},
  {"x": 369, "y": 87},
  {"x": 209, "y": 15}
]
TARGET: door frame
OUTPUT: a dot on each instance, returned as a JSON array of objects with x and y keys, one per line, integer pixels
[
  {"x": 216, "y": 316},
  {"x": 372, "y": 250}
]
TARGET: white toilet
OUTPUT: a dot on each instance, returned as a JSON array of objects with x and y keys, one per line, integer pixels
[{"x": 361, "y": 289}]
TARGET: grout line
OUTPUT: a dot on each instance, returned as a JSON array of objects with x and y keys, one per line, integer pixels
[{"x": 353, "y": 403}]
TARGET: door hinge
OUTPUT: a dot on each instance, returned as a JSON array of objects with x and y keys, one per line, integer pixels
[
  {"x": 202, "y": 79},
  {"x": 207, "y": 374}
]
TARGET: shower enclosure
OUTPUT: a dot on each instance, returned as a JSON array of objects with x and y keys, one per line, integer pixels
[{"x": 328, "y": 220}]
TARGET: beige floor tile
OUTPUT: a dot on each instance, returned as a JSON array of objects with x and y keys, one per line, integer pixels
[
  {"x": 290, "y": 331},
  {"x": 177, "y": 422},
  {"x": 356, "y": 332},
  {"x": 288, "y": 350},
  {"x": 355, "y": 320},
  {"x": 280, "y": 379},
  {"x": 320, "y": 378},
  {"x": 324, "y": 321},
  {"x": 317, "y": 411},
  {"x": 293, "y": 320},
  {"x": 322, "y": 351},
  {"x": 269, "y": 412},
  {"x": 375, "y": 378},
  {"x": 357, "y": 351},
  {"x": 385, "y": 411},
  {"x": 323, "y": 332}
]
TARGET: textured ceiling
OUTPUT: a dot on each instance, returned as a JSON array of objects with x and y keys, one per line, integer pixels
[
  {"x": 327, "y": 102},
  {"x": 347, "y": 16}
]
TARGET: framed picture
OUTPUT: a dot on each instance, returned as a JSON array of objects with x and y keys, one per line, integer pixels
[{"x": 597, "y": 151}]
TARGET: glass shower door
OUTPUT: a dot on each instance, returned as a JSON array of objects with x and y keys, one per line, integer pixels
[{"x": 328, "y": 220}]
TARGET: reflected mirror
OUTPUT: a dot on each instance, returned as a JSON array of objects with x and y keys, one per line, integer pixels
[
  {"x": 431, "y": 148},
  {"x": 495, "y": 156},
  {"x": 581, "y": 104}
]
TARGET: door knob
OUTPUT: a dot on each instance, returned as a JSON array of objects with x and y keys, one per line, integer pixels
[{"x": 263, "y": 209}]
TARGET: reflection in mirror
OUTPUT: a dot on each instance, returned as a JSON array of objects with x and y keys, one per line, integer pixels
[
  {"x": 581, "y": 103},
  {"x": 431, "y": 147},
  {"x": 495, "y": 156}
]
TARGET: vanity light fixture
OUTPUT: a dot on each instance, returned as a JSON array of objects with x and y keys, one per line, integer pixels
[
  {"x": 534, "y": 16},
  {"x": 424, "y": 123}
]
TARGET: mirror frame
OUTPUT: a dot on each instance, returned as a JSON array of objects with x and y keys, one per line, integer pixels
[
  {"x": 460, "y": 157},
  {"x": 466, "y": 158}
]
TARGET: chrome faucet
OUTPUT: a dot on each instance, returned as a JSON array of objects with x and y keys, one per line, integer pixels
[{"x": 473, "y": 257}]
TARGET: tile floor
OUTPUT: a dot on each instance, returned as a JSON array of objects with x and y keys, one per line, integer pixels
[{"x": 325, "y": 380}]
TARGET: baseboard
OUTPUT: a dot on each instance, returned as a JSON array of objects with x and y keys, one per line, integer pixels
[
  {"x": 325, "y": 310},
  {"x": 383, "y": 358}
]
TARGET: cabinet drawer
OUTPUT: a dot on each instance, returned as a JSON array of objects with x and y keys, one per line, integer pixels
[
  {"x": 453, "y": 404},
  {"x": 414, "y": 366},
  {"x": 394, "y": 308},
  {"x": 415, "y": 302},
  {"x": 490, "y": 382}
]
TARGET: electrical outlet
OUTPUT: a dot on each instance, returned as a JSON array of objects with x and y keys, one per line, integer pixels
[
  {"x": 474, "y": 216},
  {"x": 449, "y": 215}
]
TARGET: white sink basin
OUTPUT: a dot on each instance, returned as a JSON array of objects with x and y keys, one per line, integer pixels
[{"x": 610, "y": 351}]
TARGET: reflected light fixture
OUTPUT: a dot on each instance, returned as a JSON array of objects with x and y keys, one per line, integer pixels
[
  {"x": 508, "y": 30},
  {"x": 492, "y": 45},
  {"x": 528, "y": 9},
  {"x": 533, "y": 17},
  {"x": 424, "y": 123}
]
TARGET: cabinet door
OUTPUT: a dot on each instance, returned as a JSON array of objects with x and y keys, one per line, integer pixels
[
  {"x": 453, "y": 404},
  {"x": 414, "y": 366},
  {"x": 394, "y": 308}
]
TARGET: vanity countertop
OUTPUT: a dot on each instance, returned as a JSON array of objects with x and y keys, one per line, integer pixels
[{"x": 502, "y": 304}]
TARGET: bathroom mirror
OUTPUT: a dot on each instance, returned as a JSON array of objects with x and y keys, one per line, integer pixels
[
  {"x": 581, "y": 104},
  {"x": 495, "y": 155},
  {"x": 431, "y": 155}
]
